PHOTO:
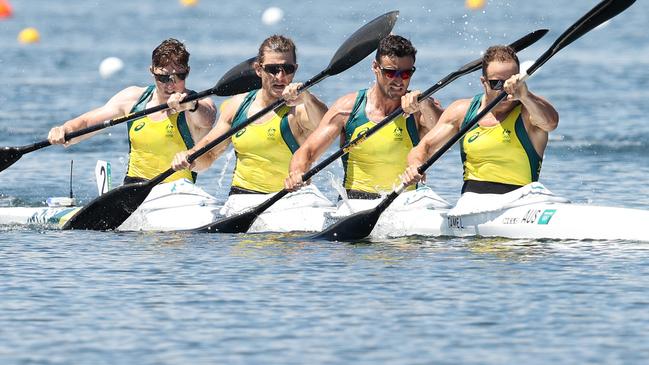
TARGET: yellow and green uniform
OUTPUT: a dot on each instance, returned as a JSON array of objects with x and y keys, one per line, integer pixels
[
  {"x": 500, "y": 154},
  {"x": 263, "y": 150},
  {"x": 374, "y": 165},
  {"x": 153, "y": 144}
]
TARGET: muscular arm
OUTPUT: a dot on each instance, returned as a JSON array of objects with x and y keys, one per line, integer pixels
[
  {"x": 325, "y": 134},
  {"x": 223, "y": 125},
  {"x": 117, "y": 106},
  {"x": 308, "y": 116},
  {"x": 309, "y": 110},
  {"x": 447, "y": 126},
  {"x": 426, "y": 112},
  {"x": 202, "y": 119},
  {"x": 539, "y": 112},
  {"x": 539, "y": 115}
]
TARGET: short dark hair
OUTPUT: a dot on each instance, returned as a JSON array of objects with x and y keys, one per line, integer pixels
[
  {"x": 395, "y": 46},
  {"x": 276, "y": 43},
  {"x": 500, "y": 54},
  {"x": 170, "y": 51}
]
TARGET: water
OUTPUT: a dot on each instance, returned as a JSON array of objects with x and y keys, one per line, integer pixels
[{"x": 149, "y": 298}]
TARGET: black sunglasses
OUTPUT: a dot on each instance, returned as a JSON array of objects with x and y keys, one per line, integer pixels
[
  {"x": 168, "y": 78},
  {"x": 496, "y": 84},
  {"x": 274, "y": 69},
  {"x": 392, "y": 73}
]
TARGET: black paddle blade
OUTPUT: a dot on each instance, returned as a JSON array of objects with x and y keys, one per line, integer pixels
[
  {"x": 235, "y": 224},
  {"x": 9, "y": 156},
  {"x": 528, "y": 40},
  {"x": 110, "y": 210},
  {"x": 240, "y": 79},
  {"x": 363, "y": 42},
  {"x": 354, "y": 227}
]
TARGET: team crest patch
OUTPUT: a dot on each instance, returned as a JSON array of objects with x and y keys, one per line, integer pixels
[
  {"x": 170, "y": 130},
  {"x": 507, "y": 135},
  {"x": 398, "y": 133},
  {"x": 271, "y": 133}
]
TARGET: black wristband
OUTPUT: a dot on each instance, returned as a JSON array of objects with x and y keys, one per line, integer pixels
[{"x": 195, "y": 108}]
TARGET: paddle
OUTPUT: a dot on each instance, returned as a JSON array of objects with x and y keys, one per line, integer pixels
[
  {"x": 239, "y": 79},
  {"x": 360, "y": 224},
  {"x": 110, "y": 210},
  {"x": 241, "y": 222}
]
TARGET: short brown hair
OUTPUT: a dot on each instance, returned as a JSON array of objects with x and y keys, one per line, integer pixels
[
  {"x": 395, "y": 46},
  {"x": 276, "y": 43},
  {"x": 499, "y": 54},
  {"x": 170, "y": 51}
]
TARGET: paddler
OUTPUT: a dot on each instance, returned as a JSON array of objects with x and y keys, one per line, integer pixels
[
  {"x": 503, "y": 152},
  {"x": 156, "y": 138},
  {"x": 373, "y": 166},
  {"x": 265, "y": 147}
]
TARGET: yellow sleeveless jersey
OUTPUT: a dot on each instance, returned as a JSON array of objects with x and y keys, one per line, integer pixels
[
  {"x": 374, "y": 165},
  {"x": 153, "y": 144},
  {"x": 263, "y": 151},
  {"x": 502, "y": 153}
]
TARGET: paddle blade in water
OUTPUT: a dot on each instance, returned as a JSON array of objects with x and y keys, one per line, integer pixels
[
  {"x": 354, "y": 227},
  {"x": 363, "y": 42},
  {"x": 235, "y": 224},
  {"x": 240, "y": 79},
  {"x": 110, "y": 210},
  {"x": 9, "y": 156}
]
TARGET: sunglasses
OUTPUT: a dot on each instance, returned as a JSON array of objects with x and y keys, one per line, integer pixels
[
  {"x": 165, "y": 79},
  {"x": 274, "y": 69},
  {"x": 496, "y": 84},
  {"x": 392, "y": 73}
]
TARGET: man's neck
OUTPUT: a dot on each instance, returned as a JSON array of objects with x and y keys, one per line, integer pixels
[
  {"x": 379, "y": 102},
  {"x": 264, "y": 98}
]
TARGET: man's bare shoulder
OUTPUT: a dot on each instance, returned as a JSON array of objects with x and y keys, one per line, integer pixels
[
  {"x": 233, "y": 103},
  {"x": 458, "y": 107},
  {"x": 345, "y": 103},
  {"x": 131, "y": 92},
  {"x": 126, "y": 98}
]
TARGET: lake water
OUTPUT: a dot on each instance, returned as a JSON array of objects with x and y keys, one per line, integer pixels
[{"x": 151, "y": 298}]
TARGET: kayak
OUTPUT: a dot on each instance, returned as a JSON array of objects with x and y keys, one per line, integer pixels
[
  {"x": 531, "y": 212},
  {"x": 183, "y": 206},
  {"x": 172, "y": 206}
]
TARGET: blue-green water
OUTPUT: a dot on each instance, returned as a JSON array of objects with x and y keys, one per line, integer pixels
[{"x": 151, "y": 298}]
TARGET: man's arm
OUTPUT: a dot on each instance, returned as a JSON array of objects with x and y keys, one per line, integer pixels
[
  {"x": 309, "y": 111},
  {"x": 537, "y": 111},
  {"x": 447, "y": 126},
  {"x": 330, "y": 128},
  {"x": 119, "y": 105},
  {"x": 427, "y": 112},
  {"x": 223, "y": 125},
  {"x": 200, "y": 118}
]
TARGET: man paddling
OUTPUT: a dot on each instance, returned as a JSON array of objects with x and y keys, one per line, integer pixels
[
  {"x": 156, "y": 138},
  {"x": 374, "y": 165},
  {"x": 265, "y": 147},
  {"x": 504, "y": 150}
]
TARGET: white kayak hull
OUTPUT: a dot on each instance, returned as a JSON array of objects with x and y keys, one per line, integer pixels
[
  {"x": 182, "y": 206},
  {"x": 531, "y": 212},
  {"x": 554, "y": 221}
]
